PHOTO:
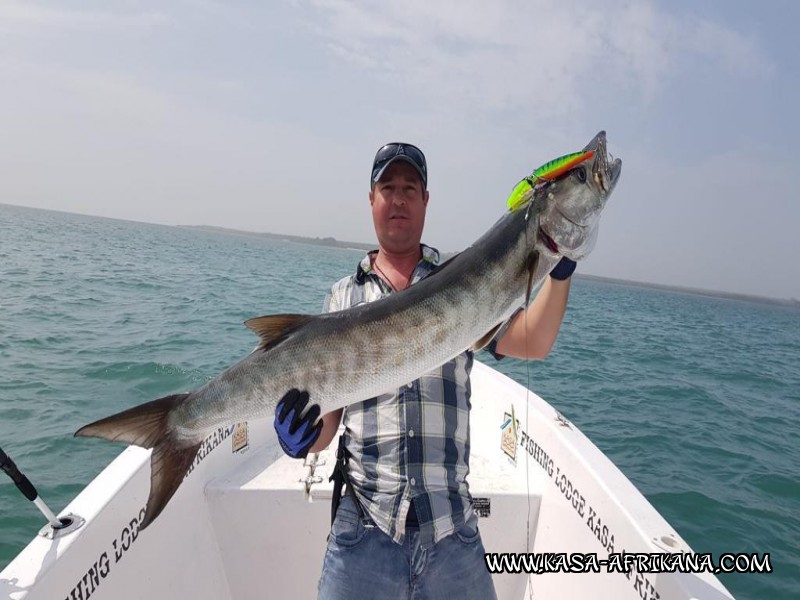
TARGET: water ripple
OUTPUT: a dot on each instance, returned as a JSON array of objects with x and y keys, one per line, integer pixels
[{"x": 696, "y": 399}]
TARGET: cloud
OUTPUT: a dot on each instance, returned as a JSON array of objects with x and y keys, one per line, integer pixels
[{"x": 549, "y": 55}]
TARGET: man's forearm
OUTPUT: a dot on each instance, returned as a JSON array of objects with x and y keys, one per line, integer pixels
[
  {"x": 330, "y": 424},
  {"x": 534, "y": 331}
]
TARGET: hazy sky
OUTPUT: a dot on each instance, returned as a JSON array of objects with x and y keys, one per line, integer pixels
[{"x": 265, "y": 116}]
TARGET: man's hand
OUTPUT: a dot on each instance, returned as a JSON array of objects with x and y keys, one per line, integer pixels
[{"x": 296, "y": 434}]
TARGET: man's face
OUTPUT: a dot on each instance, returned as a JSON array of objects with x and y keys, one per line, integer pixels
[{"x": 398, "y": 208}]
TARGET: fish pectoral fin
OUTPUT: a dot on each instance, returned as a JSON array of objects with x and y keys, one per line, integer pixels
[
  {"x": 484, "y": 341},
  {"x": 534, "y": 262},
  {"x": 274, "y": 328}
]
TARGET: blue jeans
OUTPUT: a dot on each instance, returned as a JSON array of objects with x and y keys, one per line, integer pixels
[{"x": 363, "y": 562}]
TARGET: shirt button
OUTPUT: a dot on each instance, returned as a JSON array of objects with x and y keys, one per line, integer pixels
[
  {"x": 413, "y": 481},
  {"x": 410, "y": 433},
  {"x": 410, "y": 385}
]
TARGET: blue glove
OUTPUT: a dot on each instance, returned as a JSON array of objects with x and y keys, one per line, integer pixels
[
  {"x": 296, "y": 434},
  {"x": 564, "y": 269}
]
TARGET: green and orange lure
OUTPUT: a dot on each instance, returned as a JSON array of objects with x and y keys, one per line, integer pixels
[{"x": 547, "y": 172}]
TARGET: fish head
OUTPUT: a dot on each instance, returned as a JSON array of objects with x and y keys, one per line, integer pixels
[{"x": 572, "y": 203}]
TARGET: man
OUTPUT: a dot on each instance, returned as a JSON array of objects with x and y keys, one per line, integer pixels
[{"x": 405, "y": 528}]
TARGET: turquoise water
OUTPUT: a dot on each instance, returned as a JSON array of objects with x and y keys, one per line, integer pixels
[{"x": 696, "y": 399}]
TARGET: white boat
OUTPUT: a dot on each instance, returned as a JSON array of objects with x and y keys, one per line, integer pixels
[{"x": 249, "y": 522}]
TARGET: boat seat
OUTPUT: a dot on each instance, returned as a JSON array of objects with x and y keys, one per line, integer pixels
[{"x": 279, "y": 515}]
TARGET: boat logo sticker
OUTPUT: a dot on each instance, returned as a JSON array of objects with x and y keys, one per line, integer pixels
[
  {"x": 239, "y": 439},
  {"x": 482, "y": 507},
  {"x": 508, "y": 438}
]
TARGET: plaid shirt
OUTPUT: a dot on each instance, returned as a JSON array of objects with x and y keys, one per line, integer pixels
[{"x": 412, "y": 443}]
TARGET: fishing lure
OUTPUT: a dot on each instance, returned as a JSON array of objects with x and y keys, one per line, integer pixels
[{"x": 547, "y": 172}]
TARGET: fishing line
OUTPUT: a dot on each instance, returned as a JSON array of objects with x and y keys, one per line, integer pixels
[{"x": 527, "y": 404}]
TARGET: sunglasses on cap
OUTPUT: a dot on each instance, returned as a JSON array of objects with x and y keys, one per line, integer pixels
[{"x": 395, "y": 151}]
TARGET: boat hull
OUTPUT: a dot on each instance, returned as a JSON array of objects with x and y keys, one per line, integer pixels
[{"x": 244, "y": 516}]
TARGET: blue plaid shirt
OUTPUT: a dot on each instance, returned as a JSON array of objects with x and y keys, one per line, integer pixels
[{"x": 412, "y": 443}]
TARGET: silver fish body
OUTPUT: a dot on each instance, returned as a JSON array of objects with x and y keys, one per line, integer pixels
[
  {"x": 352, "y": 355},
  {"x": 367, "y": 350}
]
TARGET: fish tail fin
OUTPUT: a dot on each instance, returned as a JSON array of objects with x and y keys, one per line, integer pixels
[
  {"x": 168, "y": 466},
  {"x": 147, "y": 425}
]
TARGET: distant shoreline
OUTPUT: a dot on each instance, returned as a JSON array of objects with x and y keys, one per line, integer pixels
[
  {"x": 334, "y": 243},
  {"x": 791, "y": 302},
  {"x": 331, "y": 242}
]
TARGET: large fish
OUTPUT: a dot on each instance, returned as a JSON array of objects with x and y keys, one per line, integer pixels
[{"x": 367, "y": 350}]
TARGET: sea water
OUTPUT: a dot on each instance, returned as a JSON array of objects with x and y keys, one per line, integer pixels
[{"x": 695, "y": 398}]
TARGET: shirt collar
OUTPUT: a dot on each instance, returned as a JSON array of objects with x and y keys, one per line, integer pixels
[{"x": 430, "y": 259}]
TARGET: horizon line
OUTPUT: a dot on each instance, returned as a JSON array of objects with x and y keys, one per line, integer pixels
[{"x": 345, "y": 244}]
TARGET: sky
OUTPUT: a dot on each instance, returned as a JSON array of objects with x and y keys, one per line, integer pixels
[{"x": 265, "y": 116}]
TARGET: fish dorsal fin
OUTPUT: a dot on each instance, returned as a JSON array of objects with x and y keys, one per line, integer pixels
[
  {"x": 274, "y": 328},
  {"x": 484, "y": 341}
]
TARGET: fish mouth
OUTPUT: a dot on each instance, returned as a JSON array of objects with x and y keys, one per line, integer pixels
[{"x": 605, "y": 168}]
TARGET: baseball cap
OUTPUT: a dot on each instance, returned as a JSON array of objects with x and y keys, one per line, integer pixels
[{"x": 390, "y": 153}]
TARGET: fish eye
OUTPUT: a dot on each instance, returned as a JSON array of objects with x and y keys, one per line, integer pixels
[{"x": 580, "y": 174}]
